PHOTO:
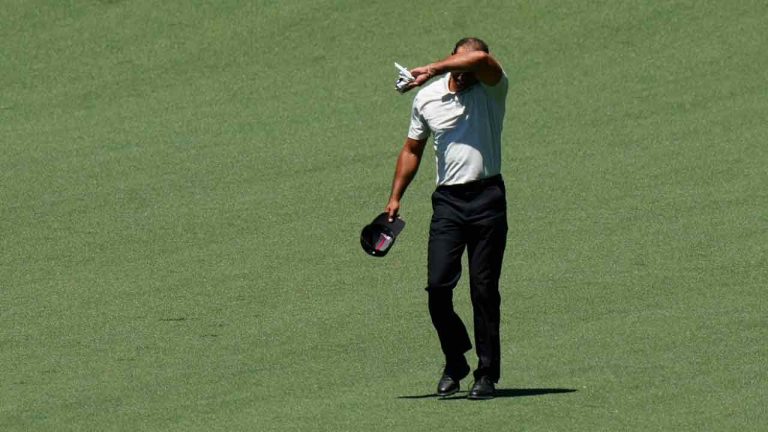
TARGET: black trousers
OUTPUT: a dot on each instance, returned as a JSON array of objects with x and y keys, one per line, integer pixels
[{"x": 471, "y": 216}]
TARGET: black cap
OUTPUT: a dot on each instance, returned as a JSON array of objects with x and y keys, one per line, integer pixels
[{"x": 378, "y": 237}]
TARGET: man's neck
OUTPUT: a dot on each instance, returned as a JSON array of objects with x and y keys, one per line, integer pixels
[
  {"x": 452, "y": 84},
  {"x": 455, "y": 87}
]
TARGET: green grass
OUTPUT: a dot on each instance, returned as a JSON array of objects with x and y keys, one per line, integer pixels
[{"x": 182, "y": 185}]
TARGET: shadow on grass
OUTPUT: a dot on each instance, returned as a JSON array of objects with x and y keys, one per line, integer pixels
[{"x": 500, "y": 393}]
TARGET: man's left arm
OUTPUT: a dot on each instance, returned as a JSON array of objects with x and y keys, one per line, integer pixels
[{"x": 483, "y": 65}]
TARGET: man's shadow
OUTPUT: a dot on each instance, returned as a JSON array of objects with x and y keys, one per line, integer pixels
[{"x": 500, "y": 393}]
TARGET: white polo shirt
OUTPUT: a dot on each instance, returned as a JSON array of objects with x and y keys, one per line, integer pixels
[{"x": 466, "y": 126}]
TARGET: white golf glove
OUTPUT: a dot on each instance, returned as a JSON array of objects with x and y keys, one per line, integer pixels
[{"x": 404, "y": 78}]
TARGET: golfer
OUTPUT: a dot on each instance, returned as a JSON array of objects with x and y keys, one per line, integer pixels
[{"x": 463, "y": 109}]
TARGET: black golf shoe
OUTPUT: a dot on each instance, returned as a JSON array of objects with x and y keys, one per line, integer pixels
[
  {"x": 447, "y": 386},
  {"x": 483, "y": 389},
  {"x": 449, "y": 382}
]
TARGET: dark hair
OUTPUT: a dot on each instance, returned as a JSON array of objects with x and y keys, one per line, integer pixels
[{"x": 475, "y": 43}]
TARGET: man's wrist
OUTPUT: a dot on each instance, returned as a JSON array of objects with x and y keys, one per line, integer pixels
[{"x": 433, "y": 70}]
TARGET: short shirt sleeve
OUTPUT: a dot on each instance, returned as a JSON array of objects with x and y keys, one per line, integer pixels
[{"x": 419, "y": 129}]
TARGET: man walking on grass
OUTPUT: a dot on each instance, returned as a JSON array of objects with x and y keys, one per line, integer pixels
[{"x": 463, "y": 109}]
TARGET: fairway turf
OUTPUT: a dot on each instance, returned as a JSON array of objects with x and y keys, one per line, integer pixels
[{"x": 182, "y": 186}]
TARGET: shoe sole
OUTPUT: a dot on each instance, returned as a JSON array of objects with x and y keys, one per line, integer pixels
[
  {"x": 479, "y": 397},
  {"x": 443, "y": 395}
]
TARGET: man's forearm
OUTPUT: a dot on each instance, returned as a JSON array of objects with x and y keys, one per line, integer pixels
[
  {"x": 471, "y": 61},
  {"x": 405, "y": 170},
  {"x": 407, "y": 164},
  {"x": 480, "y": 63}
]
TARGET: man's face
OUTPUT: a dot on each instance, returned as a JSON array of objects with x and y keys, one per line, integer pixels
[{"x": 464, "y": 79}]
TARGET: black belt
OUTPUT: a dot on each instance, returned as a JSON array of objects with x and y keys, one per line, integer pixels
[{"x": 474, "y": 185}]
